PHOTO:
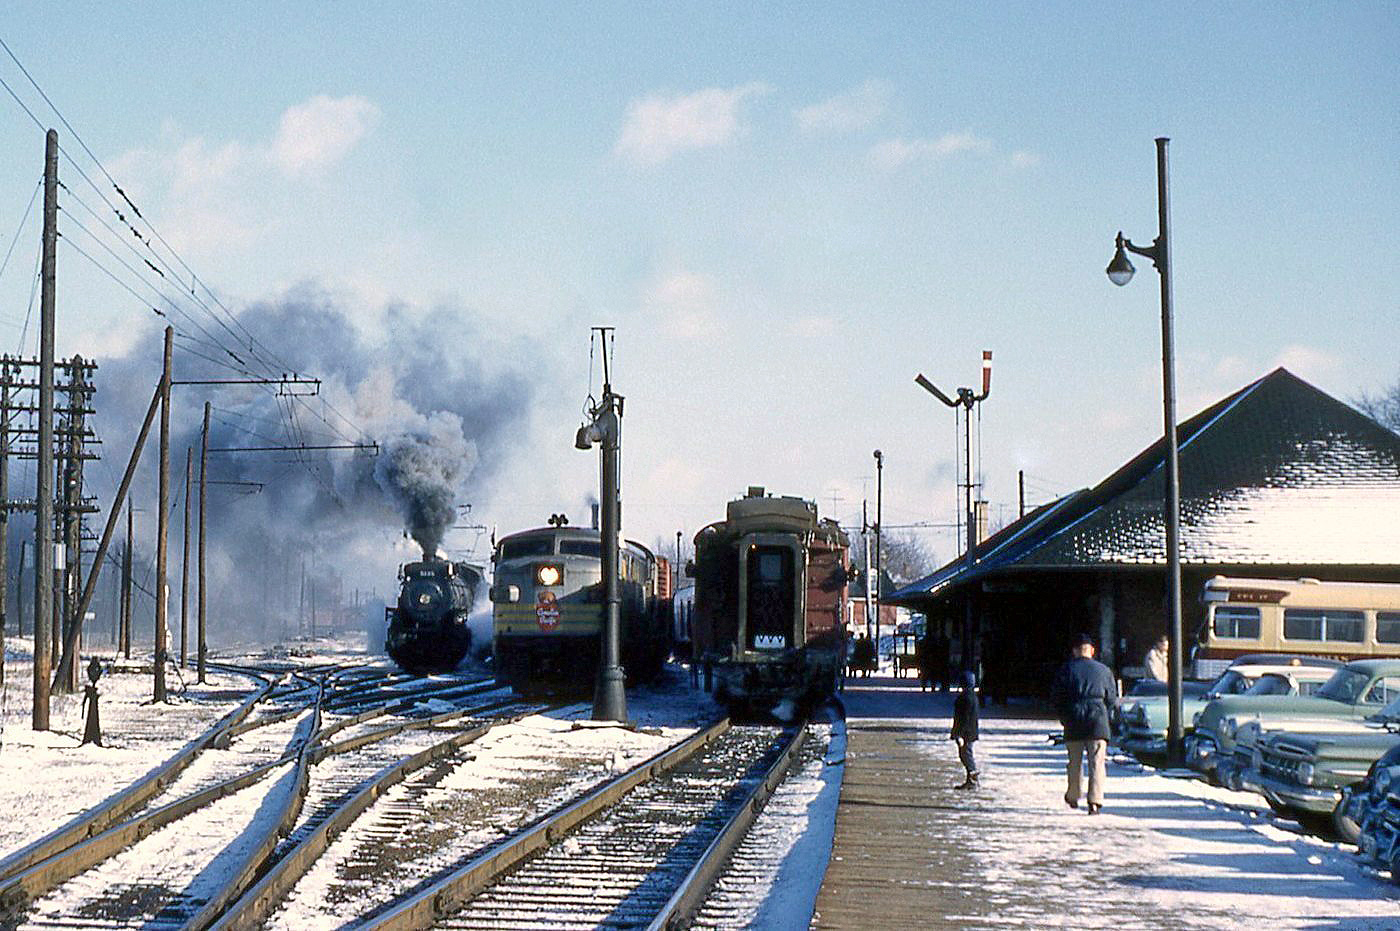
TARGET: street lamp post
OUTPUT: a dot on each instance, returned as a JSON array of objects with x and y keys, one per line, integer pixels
[
  {"x": 879, "y": 511},
  {"x": 1120, "y": 272}
]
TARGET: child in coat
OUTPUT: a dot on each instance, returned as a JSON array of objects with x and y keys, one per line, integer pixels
[{"x": 965, "y": 728}]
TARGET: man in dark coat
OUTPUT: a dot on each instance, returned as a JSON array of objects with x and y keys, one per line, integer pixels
[
  {"x": 965, "y": 728},
  {"x": 1083, "y": 693}
]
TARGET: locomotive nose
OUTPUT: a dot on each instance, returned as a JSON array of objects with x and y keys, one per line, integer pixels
[{"x": 423, "y": 597}]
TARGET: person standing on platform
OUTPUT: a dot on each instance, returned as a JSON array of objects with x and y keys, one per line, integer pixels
[
  {"x": 1083, "y": 693},
  {"x": 965, "y": 728},
  {"x": 942, "y": 659},
  {"x": 1155, "y": 662}
]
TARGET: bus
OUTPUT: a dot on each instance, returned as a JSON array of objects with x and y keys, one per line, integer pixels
[{"x": 1337, "y": 620}]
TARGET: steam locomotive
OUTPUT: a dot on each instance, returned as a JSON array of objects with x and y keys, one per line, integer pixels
[
  {"x": 770, "y": 589},
  {"x": 427, "y": 628},
  {"x": 548, "y": 610}
]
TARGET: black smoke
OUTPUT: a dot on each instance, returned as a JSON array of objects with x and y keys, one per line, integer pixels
[{"x": 443, "y": 397}]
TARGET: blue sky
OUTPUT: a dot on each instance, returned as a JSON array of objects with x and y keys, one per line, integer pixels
[{"x": 786, "y": 211}]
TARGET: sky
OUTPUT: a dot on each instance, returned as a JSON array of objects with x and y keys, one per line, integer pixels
[{"x": 786, "y": 211}]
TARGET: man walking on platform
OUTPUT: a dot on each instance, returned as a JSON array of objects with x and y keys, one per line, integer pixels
[{"x": 1083, "y": 693}]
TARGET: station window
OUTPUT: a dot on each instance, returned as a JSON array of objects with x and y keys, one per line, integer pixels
[
  {"x": 1388, "y": 626},
  {"x": 1323, "y": 624},
  {"x": 1236, "y": 623}
]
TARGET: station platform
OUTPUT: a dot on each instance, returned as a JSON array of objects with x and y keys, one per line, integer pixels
[{"x": 911, "y": 851}]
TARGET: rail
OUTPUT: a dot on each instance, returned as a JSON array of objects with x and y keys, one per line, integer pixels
[{"x": 424, "y": 907}]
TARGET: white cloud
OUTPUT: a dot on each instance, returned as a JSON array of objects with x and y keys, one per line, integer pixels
[
  {"x": 1307, "y": 362},
  {"x": 1024, "y": 159},
  {"x": 855, "y": 109},
  {"x": 658, "y": 127},
  {"x": 321, "y": 131},
  {"x": 896, "y": 153},
  {"x": 683, "y": 303}
]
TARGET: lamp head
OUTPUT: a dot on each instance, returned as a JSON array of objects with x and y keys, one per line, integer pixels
[
  {"x": 581, "y": 439},
  {"x": 1120, "y": 270},
  {"x": 879, "y": 457}
]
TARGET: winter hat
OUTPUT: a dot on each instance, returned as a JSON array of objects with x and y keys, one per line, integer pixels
[{"x": 969, "y": 679}]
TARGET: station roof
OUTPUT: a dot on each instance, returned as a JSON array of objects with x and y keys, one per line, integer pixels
[{"x": 1277, "y": 474}]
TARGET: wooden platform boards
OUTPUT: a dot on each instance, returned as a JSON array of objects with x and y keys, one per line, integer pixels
[{"x": 891, "y": 866}]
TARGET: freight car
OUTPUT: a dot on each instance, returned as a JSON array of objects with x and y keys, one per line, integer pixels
[
  {"x": 427, "y": 627},
  {"x": 770, "y": 588},
  {"x": 548, "y": 610}
]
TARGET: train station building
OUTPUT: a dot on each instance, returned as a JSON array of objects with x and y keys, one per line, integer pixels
[{"x": 1278, "y": 480}]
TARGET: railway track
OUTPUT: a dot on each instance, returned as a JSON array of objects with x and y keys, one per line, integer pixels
[
  {"x": 642, "y": 850},
  {"x": 198, "y": 835}
]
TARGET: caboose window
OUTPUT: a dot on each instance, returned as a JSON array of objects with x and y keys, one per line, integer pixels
[
  {"x": 1236, "y": 623},
  {"x": 1323, "y": 624},
  {"x": 770, "y": 567}
]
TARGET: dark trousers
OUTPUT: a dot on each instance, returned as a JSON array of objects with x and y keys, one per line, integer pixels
[{"x": 965, "y": 755}]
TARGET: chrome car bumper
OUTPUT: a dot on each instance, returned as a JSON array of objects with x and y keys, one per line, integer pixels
[{"x": 1300, "y": 797}]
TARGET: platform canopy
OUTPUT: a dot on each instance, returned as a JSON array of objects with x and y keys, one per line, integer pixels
[{"x": 1277, "y": 474}]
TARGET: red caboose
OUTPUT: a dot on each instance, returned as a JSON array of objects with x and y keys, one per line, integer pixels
[{"x": 770, "y": 586}]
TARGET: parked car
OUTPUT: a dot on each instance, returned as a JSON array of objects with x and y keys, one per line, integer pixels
[
  {"x": 1143, "y": 729},
  {"x": 1231, "y": 771},
  {"x": 1360, "y": 817},
  {"x": 1358, "y": 689}
]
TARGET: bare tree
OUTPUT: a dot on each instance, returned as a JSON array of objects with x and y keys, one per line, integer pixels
[
  {"x": 906, "y": 556},
  {"x": 1383, "y": 407}
]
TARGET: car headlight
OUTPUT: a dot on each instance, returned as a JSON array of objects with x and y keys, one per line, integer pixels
[
  {"x": 1305, "y": 773},
  {"x": 548, "y": 575}
]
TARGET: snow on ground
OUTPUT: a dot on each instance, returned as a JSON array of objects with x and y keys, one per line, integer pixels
[
  {"x": 1167, "y": 851},
  {"x": 47, "y": 777},
  {"x": 510, "y": 776}
]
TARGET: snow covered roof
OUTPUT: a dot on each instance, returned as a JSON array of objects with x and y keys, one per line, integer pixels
[{"x": 1277, "y": 474}]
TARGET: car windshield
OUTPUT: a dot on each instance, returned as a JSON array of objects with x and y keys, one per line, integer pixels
[
  {"x": 1344, "y": 686},
  {"x": 1231, "y": 682},
  {"x": 1271, "y": 683}
]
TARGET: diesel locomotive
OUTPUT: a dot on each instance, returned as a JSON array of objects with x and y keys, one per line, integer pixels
[
  {"x": 427, "y": 627},
  {"x": 548, "y": 610},
  {"x": 770, "y": 588}
]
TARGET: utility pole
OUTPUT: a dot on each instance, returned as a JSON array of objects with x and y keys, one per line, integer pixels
[
  {"x": 5, "y": 508},
  {"x": 678, "y": 563},
  {"x": 301, "y": 602},
  {"x": 185, "y": 566},
  {"x": 1021, "y": 489},
  {"x": 19, "y": 590},
  {"x": 43, "y": 494},
  {"x": 865, "y": 547},
  {"x": 73, "y": 520},
  {"x": 163, "y": 517},
  {"x": 203, "y": 487},
  {"x": 879, "y": 510},
  {"x": 126, "y": 588}
]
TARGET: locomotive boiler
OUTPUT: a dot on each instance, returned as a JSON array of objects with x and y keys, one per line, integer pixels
[
  {"x": 548, "y": 610},
  {"x": 770, "y": 589},
  {"x": 427, "y": 627}
]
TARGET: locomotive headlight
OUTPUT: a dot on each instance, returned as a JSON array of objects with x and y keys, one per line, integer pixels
[
  {"x": 425, "y": 598},
  {"x": 548, "y": 575}
]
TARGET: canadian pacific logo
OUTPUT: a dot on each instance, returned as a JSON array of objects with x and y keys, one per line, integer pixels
[{"x": 547, "y": 611}]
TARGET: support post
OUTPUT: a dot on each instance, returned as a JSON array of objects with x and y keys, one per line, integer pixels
[
  {"x": 4, "y": 508},
  {"x": 610, "y": 699},
  {"x": 126, "y": 587},
  {"x": 185, "y": 566},
  {"x": 1176, "y": 741},
  {"x": 163, "y": 519},
  {"x": 203, "y": 488},
  {"x": 43, "y": 493}
]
